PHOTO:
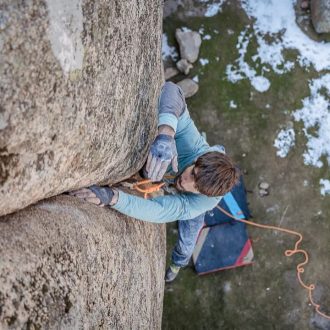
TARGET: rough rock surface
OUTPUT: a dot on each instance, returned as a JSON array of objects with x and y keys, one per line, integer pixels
[
  {"x": 320, "y": 10},
  {"x": 189, "y": 87},
  {"x": 66, "y": 264},
  {"x": 79, "y": 82},
  {"x": 189, "y": 42}
]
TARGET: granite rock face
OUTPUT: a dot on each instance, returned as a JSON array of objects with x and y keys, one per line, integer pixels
[
  {"x": 66, "y": 264},
  {"x": 320, "y": 10},
  {"x": 79, "y": 82}
]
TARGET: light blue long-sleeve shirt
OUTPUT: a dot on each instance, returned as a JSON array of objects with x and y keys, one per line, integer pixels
[{"x": 190, "y": 145}]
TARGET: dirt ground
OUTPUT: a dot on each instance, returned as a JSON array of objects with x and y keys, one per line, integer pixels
[{"x": 267, "y": 294}]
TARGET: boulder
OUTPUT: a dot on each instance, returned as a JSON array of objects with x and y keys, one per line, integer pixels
[
  {"x": 66, "y": 264},
  {"x": 79, "y": 87},
  {"x": 320, "y": 10},
  {"x": 189, "y": 42},
  {"x": 189, "y": 87},
  {"x": 184, "y": 66}
]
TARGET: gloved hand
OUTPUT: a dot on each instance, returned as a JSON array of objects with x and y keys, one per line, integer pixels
[
  {"x": 162, "y": 153},
  {"x": 97, "y": 195}
]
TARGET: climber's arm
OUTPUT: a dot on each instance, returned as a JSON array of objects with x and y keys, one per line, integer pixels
[
  {"x": 158, "y": 210},
  {"x": 165, "y": 208},
  {"x": 173, "y": 121},
  {"x": 163, "y": 151}
]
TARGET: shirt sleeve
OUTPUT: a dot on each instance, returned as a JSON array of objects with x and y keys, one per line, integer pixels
[
  {"x": 165, "y": 208},
  {"x": 171, "y": 105}
]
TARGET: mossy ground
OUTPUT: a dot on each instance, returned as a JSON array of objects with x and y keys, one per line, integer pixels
[{"x": 265, "y": 295}]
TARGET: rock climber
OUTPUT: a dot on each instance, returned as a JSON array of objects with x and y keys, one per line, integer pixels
[{"x": 202, "y": 175}]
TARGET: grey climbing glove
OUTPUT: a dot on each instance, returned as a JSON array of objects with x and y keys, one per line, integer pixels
[
  {"x": 104, "y": 194},
  {"x": 162, "y": 153}
]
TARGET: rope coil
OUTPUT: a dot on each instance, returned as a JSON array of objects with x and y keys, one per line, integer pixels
[{"x": 288, "y": 253}]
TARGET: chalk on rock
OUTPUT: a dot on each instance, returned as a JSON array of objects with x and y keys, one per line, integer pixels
[
  {"x": 170, "y": 73},
  {"x": 184, "y": 66},
  {"x": 189, "y": 42},
  {"x": 189, "y": 87}
]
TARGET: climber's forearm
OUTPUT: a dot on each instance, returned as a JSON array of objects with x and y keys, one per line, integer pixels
[
  {"x": 171, "y": 106},
  {"x": 158, "y": 210},
  {"x": 165, "y": 208}
]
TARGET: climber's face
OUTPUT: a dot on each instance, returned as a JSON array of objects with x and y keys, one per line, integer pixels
[{"x": 185, "y": 182}]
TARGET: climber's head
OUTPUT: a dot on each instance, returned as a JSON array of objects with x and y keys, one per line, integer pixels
[{"x": 213, "y": 174}]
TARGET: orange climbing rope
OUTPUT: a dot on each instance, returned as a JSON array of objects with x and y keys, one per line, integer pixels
[
  {"x": 153, "y": 187},
  {"x": 149, "y": 188},
  {"x": 288, "y": 253}
]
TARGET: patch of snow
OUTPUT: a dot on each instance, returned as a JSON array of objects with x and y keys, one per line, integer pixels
[
  {"x": 214, "y": 8},
  {"x": 261, "y": 84},
  {"x": 232, "y": 104},
  {"x": 277, "y": 19},
  {"x": 325, "y": 190},
  {"x": 216, "y": 31},
  {"x": 206, "y": 37},
  {"x": 315, "y": 115},
  {"x": 201, "y": 30},
  {"x": 217, "y": 58},
  {"x": 275, "y": 30},
  {"x": 306, "y": 183},
  {"x": 274, "y": 208},
  {"x": 167, "y": 50},
  {"x": 195, "y": 79},
  {"x": 185, "y": 29},
  {"x": 227, "y": 287},
  {"x": 284, "y": 141},
  {"x": 203, "y": 61},
  {"x": 230, "y": 32},
  {"x": 242, "y": 69},
  {"x": 267, "y": 106}
]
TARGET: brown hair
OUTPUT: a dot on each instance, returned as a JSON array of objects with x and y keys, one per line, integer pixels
[{"x": 215, "y": 174}]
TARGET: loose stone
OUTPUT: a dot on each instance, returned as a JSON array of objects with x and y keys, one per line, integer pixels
[
  {"x": 264, "y": 185},
  {"x": 189, "y": 42},
  {"x": 320, "y": 10},
  {"x": 189, "y": 87},
  {"x": 170, "y": 73},
  {"x": 304, "y": 5},
  {"x": 263, "y": 193},
  {"x": 184, "y": 66}
]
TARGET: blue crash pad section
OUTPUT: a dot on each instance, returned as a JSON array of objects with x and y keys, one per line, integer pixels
[
  {"x": 223, "y": 243},
  {"x": 234, "y": 203},
  {"x": 223, "y": 248}
]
